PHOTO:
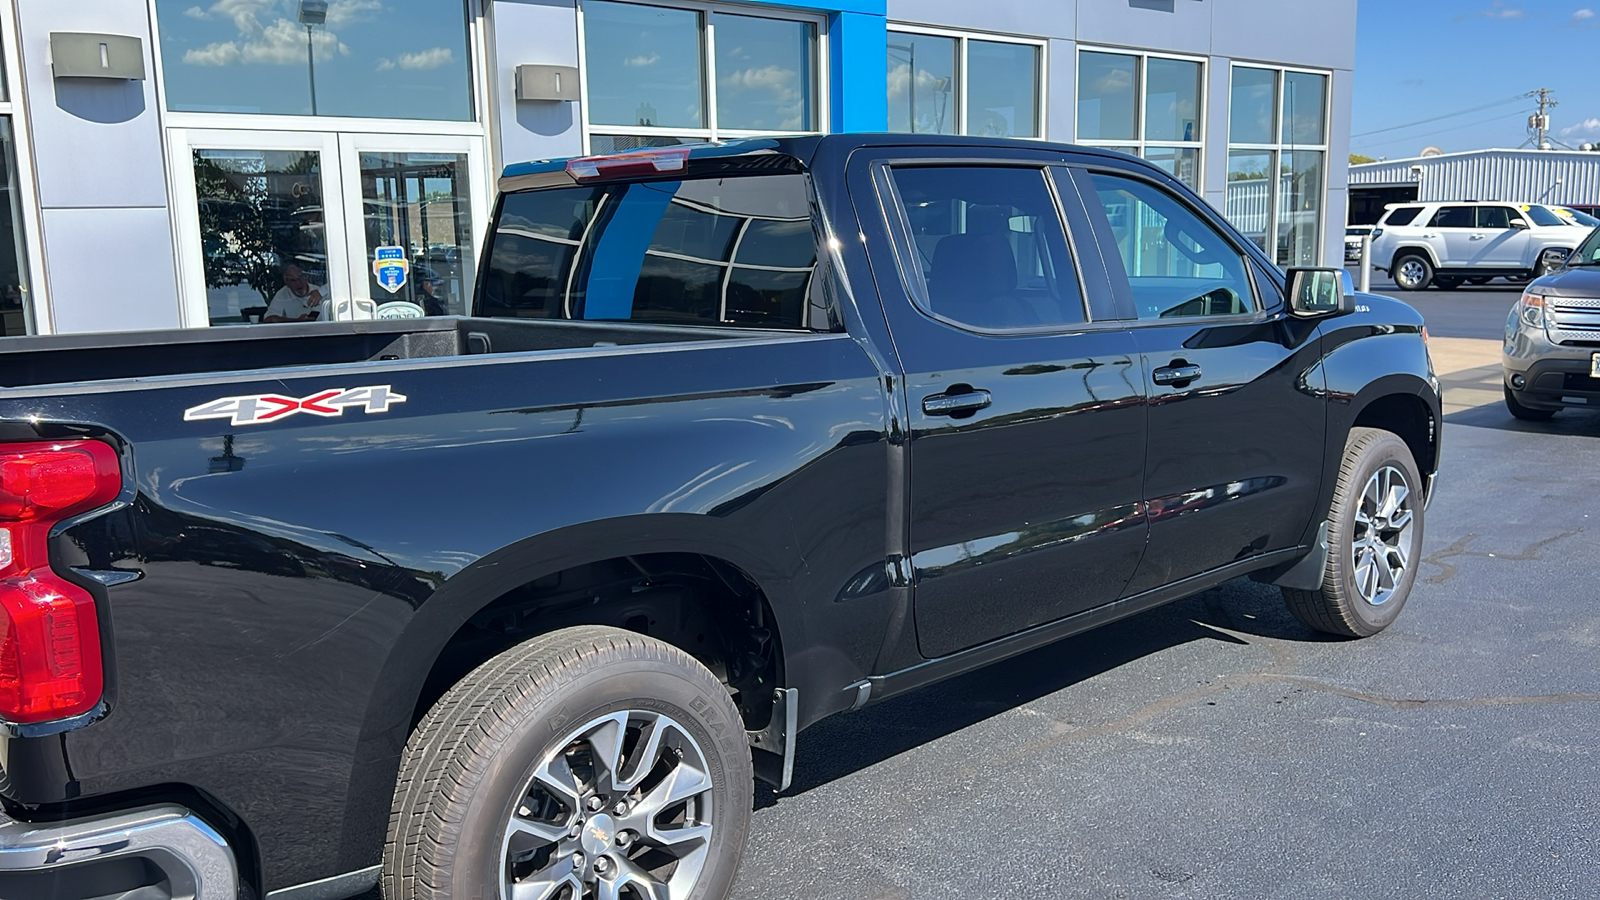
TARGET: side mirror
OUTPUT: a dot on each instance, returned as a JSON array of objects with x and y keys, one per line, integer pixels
[
  {"x": 1314, "y": 293},
  {"x": 1518, "y": 223}
]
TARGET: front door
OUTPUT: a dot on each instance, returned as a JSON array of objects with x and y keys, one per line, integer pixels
[
  {"x": 1027, "y": 425},
  {"x": 287, "y": 225},
  {"x": 1458, "y": 235},
  {"x": 1236, "y": 424},
  {"x": 1505, "y": 238}
]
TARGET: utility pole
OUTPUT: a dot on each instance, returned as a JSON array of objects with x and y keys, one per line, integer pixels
[{"x": 1539, "y": 123}]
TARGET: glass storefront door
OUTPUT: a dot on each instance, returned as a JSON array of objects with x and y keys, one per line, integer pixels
[{"x": 294, "y": 226}]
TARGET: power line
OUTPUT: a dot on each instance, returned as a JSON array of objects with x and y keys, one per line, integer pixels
[
  {"x": 1516, "y": 99},
  {"x": 1417, "y": 137}
]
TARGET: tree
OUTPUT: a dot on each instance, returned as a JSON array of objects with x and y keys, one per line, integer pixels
[
  {"x": 245, "y": 237},
  {"x": 1357, "y": 159}
]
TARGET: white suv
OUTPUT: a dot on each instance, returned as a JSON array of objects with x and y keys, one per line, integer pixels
[{"x": 1446, "y": 244}]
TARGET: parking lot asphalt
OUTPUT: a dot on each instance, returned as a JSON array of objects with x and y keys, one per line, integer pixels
[{"x": 1216, "y": 748}]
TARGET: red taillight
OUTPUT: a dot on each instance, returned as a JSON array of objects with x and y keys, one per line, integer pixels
[
  {"x": 628, "y": 165},
  {"x": 50, "y": 661}
]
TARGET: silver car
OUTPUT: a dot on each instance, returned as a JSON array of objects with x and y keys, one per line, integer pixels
[{"x": 1551, "y": 355}]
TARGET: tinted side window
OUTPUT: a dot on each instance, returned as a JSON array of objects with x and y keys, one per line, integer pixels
[
  {"x": 1496, "y": 217},
  {"x": 1178, "y": 265},
  {"x": 1403, "y": 215},
  {"x": 1454, "y": 217},
  {"x": 713, "y": 251},
  {"x": 990, "y": 246}
]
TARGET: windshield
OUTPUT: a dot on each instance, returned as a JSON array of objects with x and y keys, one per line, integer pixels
[
  {"x": 1579, "y": 216},
  {"x": 1588, "y": 252},
  {"x": 1542, "y": 216}
]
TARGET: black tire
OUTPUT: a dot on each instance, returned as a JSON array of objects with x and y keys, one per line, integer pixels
[
  {"x": 1341, "y": 607},
  {"x": 1446, "y": 284},
  {"x": 1408, "y": 263},
  {"x": 470, "y": 767},
  {"x": 1526, "y": 413}
]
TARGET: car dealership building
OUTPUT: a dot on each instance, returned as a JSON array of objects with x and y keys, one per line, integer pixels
[{"x": 170, "y": 162}]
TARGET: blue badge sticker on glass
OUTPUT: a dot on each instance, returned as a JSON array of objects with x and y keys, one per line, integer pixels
[{"x": 391, "y": 268}]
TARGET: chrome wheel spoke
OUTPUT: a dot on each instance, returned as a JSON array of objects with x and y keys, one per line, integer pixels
[
  {"x": 557, "y": 777},
  {"x": 683, "y": 782},
  {"x": 606, "y": 737},
  {"x": 629, "y": 874},
  {"x": 542, "y": 832},
  {"x": 645, "y": 754}
]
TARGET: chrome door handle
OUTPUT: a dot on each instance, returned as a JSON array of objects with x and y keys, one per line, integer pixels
[
  {"x": 1476, "y": 237},
  {"x": 1175, "y": 374},
  {"x": 948, "y": 404}
]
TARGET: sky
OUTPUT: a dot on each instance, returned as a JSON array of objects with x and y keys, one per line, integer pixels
[{"x": 1451, "y": 73}]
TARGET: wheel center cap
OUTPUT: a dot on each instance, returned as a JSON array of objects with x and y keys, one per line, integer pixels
[{"x": 598, "y": 834}]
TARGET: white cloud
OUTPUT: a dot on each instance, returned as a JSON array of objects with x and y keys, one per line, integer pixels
[
  {"x": 1583, "y": 16},
  {"x": 1589, "y": 127},
  {"x": 431, "y": 58},
  {"x": 781, "y": 87},
  {"x": 220, "y": 54},
  {"x": 638, "y": 62},
  {"x": 343, "y": 12},
  {"x": 1501, "y": 10},
  {"x": 283, "y": 43},
  {"x": 246, "y": 14},
  {"x": 195, "y": 12}
]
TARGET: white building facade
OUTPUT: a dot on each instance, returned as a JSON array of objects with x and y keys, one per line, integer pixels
[{"x": 234, "y": 145}]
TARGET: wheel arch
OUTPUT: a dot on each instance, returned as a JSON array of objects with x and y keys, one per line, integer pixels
[
  {"x": 417, "y": 653},
  {"x": 1405, "y": 250}
]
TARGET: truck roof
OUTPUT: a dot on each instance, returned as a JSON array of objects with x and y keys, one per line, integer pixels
[{"x": 538, "y": 173}]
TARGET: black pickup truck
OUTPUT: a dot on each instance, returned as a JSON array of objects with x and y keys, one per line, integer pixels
[{"x": 739, "y": 436}]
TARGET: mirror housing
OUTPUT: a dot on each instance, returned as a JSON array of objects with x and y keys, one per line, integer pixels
[
  {"x": 1315, "y": 293},
  {"x": 1520, "y": 224}
]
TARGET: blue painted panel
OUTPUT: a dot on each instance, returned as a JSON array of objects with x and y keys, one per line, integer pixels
[
  {"x": 618, "y": 257},
  {"x": 860, "y": 71}
]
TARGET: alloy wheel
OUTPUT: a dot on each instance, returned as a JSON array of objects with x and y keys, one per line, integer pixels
[
  {"x": 1381, "y": 546},
  {"x": 1411, "y": 273},
  {"x": 620, "y": 809}
]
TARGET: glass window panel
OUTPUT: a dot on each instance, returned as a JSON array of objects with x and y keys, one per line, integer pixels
[
  {"x": 1107, "y": 91},
  {"x": 620, "y": 143},
  {"x": 677, "y": 291},
  {"x": 399, "y": 59},
  {"x": 991, "y": 246},
  {"x": 1002, "y": 89},
  {"x": 265, "y": 250},
  {"x": 1172, "y": 100},
  {"x": 1304, "y": 103},
  {"x": 1300, "y": 209},
  {"x": 763, "y": 297},
  {"x": 420, "y": 202},
  {"x": 1496, "y": 217},
  {"x": 16, "y": 314},
  {"x": 1454, "y": 217},
  {"x": 534, "y": 245},
  {"x": 924, "y": 102},
  {"x": 766, "y": 77},
  {"x": 687, "y": 230},
  {"x": 1253, "y": 106},
  {"x": 645, "y": 65},
  {"x": 1178, "y": 265},
  {"x": 656, "y": 251},
  {"x": 1182, "y": 163},
  {"x": 786, "y": 243},
  {"x": 1248, "y": 206}
]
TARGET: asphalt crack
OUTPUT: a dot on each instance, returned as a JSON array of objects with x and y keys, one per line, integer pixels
[{"x": 1448, "y": 571}]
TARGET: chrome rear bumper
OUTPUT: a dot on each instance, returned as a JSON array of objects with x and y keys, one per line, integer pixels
[{"x": 190, "y": 860}]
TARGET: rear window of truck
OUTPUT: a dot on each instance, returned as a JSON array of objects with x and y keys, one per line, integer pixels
[{"x": 734, "y": 251}]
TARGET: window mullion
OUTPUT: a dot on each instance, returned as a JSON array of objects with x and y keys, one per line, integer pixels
[
  {"x": 961, "y": 86},
  {"x": 708, "y": 41}
]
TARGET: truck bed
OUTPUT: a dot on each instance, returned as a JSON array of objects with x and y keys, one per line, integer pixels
[{"x": 79, "y": 358}]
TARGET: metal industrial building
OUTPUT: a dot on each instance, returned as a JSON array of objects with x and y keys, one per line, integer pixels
[
  {"x": 1557, "y": 177},
  {"x": 172, "y": 162}
]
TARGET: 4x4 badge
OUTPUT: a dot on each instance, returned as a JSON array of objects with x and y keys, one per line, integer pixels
[{"x": 258, "y": 409}]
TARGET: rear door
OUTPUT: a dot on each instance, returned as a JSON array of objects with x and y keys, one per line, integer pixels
[
  {"x": 1026, "y": 402},
  {"x": 1451, "y": 234},
  {"x": 1236, "y": 420}
]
